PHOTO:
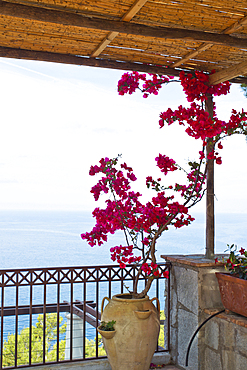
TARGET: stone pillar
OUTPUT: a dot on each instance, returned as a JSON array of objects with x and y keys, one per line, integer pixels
[
  {"x": 77, "y": 337},
  {"x": 194, "y": 287}
]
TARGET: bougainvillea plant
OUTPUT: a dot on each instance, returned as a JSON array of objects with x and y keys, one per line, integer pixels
[
  {"x": 236, "y": 263},
  {"x": 144, "y": 223}
]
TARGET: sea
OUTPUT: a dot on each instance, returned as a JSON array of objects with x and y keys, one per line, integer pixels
[
  {"x": 31, "y": 239},
  {"x": 37, "y": 239}
]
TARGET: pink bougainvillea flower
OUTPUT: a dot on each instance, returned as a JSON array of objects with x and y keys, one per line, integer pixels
[
  {"x": 154, "y": 265},
  {"x": 156, "y": 273},
  {"x": 166, "y": 274},
  {"x": 218, "y": 160},
  {"x": 143, "y": 222},
  {"x": 220, "y": 146},
  {"x": 165, "y": 164},
  {"x": 202, "y": 155}
]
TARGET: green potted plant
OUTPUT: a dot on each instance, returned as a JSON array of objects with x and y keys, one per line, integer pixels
[
  {"x": 106, "y": 329},
  {"x": 233, "y": 285}
]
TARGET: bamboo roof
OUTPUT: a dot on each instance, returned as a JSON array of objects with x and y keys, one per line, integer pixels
[{"x": 159, "y": 36}]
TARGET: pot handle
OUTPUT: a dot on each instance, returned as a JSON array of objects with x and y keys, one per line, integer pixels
[
  {"x": 158, "y": 303},
  {"x": 102, "y": 304}
]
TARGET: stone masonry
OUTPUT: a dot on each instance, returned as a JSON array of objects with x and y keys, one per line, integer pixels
[
  {"x": 194, "y": 288},
  {"x": 225, "y": 342}
]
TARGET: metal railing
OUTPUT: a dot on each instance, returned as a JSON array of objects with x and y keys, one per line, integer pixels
[{"x": 50, "y": 315}]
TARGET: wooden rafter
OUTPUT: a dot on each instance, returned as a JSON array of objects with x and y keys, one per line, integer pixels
[
  {"x": 66, "y": 18},
  {"x": 138, "y": 4},
  {"x": 192, "y": 54},
  {"x": 93, "y": 62},
  {"x": 16, "y": 53},
  {"x": 233, "y": 28},
  {"x": 236, "y": 26},
  {"x": 228, "y": 73}
]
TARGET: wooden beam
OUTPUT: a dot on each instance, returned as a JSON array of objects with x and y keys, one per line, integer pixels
[
  {"x": 239, "y": 80},
  {"x": 210, "y": 235},
  {"x": 49, "y": 308},
  {"x": 90, "y": 313},
  {"x": 228, "y": 73},
  {"x": 138, "y": 4},
  {"x": 44, "y": 56},
  {"x": 69, "y": 19}
]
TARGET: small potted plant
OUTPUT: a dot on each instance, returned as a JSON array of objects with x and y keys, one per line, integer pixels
[
  {"x": 233, "y": 285},
  {"x": 106, "y": 329}
]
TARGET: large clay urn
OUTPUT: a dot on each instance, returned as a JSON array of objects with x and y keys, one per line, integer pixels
[{"x": 136, "y": 331}]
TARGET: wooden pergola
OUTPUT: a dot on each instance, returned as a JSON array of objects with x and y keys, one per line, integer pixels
[{"x": 154, "y": 36}]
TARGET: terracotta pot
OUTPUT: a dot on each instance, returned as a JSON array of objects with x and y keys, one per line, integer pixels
[
  {"x": 233, "y": 293},
  {"x": 106, "y": 334},
  {"x": 136, "y": 331}
]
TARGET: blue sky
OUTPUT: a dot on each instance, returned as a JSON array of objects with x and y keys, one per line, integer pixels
[{"x": 57, "y": 120}]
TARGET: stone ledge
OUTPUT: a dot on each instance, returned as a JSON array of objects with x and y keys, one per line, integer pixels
[
  {"x": 195, "y": 260},
  {"x": 230, "y": 317}
]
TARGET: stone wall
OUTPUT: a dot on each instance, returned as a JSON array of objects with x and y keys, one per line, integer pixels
[
  {"x": 221, "y": 344},
  {"x": 225, "y": 342},
  {"x": 194, "y": 288}
]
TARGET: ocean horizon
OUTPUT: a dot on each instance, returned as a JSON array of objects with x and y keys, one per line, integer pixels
[
  {"x": 30, "y": 239},
  {"x": 39, "y": 239}
]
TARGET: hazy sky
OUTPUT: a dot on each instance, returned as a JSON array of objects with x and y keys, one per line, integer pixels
[{"x": 57, "y": 120}]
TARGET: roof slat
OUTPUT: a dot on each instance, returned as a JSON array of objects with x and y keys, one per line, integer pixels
[
  {"x": 63, "y": 18},
  {"x": 126, "y": 18}
]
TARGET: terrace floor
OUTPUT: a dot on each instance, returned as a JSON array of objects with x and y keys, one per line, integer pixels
[{"x": 170, "y": 367}]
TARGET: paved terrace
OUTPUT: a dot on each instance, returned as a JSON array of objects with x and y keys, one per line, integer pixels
[{"x": 96, "y": 365}]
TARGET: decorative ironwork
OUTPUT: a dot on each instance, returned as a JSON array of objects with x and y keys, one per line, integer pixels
[
  {"x": 77, "y": 275},
  {"x": 27, "y": 293}
]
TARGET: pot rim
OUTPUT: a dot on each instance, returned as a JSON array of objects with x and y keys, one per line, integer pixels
[
  {"x": 108, "y": 331},
  {"x": 126, "y": 297},
  {"x": 228, "y": 276}
]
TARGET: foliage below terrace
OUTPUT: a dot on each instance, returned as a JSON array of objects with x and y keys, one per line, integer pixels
[{"x": 50, "y": 344}]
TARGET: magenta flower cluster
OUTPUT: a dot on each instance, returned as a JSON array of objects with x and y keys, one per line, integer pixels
[{"x": 144, "y": 223}]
